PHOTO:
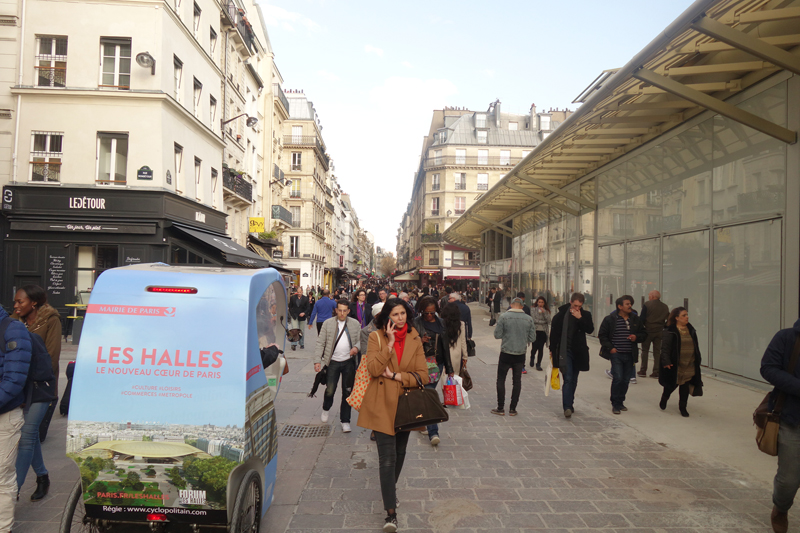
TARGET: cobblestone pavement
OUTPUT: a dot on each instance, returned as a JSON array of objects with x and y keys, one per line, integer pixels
[{"x": 534, "y": 471}]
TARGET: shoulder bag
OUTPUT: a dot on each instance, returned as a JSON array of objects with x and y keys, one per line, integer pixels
[
  {"x": 769, "y": 422},
  {"x": 470, "y": 348},
  {"x": 418, "y": 407},
  {"x": 362, "y": 380}
]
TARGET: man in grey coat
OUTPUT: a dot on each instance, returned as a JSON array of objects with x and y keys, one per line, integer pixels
[
  {"x": 517, "y": 330},
  {"x": 338, "y": 346},
  {"x": 654, "y": 317}
]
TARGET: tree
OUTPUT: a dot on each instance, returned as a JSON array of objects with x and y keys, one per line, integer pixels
[
  {"x": 131, "y": 480},
  {"x": 388, "y": 264}
]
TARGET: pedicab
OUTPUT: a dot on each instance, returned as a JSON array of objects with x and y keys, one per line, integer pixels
[{"x": 172, "y": 416}]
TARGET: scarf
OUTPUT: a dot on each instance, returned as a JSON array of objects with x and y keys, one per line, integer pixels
[
  {"x": 361, "y": 314},
  {"x": 400, "y": 341}
]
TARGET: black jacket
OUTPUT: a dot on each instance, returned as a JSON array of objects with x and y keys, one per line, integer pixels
[
  {"x": 609, "y": 326},
  {"x": 774, "y": 366},
  {"x": 299, "y": 305},
  {"x": 466, "y": 317},
  {"x": 442, "y": 358},
  {"x": 493, "y": 300},
  {"x": 580, "y": 350},
  {"x": 367, "y": 312},
  {"x": 671, "y": 352}
]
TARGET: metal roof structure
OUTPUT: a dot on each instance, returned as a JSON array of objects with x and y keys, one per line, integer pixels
[{"x": 713, "y": 50}]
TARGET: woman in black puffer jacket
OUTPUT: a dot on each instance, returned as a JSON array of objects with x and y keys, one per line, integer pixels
[{"x": 680, "y": 360}]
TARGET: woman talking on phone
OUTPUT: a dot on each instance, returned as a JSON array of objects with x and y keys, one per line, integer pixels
[{"x": 394, "y": 351}]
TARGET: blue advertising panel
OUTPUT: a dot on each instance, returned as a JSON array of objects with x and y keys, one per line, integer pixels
[{"x": 170, "y": 396}]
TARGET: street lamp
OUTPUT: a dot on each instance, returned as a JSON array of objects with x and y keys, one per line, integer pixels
[
  {"x": 144, "y": 59},
  {"x": 449, "y": 212},
  {"x": 251, "y": 121}
]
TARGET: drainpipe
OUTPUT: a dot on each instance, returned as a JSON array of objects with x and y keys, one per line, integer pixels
[{"x": 14, "y": 158}]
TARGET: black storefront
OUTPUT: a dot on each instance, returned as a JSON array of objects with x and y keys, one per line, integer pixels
[{"x": 63, "y": 238}]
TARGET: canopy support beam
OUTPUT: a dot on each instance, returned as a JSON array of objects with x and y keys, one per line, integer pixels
[
  {"x": 543, "y": 199},
  {"x": 497, "y": 227},
  {"x": 718, "y": 106},
  {"x": 561, "y": 192}
]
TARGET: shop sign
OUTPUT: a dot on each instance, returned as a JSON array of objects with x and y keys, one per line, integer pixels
[
  {"x": 422, "y": 271},
  {"x": 277, "y": 254},
  {"x": 8, "y": 199},
  {"x": 257, "y": 225},
  {"x": 417, "y": 258},
  {"x": 87, "y": 202},
  {"x": 144, "y": 173}
]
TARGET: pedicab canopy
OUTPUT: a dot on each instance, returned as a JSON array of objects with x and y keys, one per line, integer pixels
[{"x": 171, "y": 404}]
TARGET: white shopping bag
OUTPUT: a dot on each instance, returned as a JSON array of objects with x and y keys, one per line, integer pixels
[{"x": 462, "y": 392}]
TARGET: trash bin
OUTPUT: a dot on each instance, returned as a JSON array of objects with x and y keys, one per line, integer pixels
[{"x": 77, "y": 326}]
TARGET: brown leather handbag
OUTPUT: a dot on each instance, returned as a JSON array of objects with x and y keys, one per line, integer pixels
[
  {"x": 418, "y": 407},
  {"x": 769, "y": 422}
]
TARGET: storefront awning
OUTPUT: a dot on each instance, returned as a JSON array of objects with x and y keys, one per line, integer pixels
[
  {"x": 466, "y": 273},
  {"x": 430, "y": 270},
  {"x": 232, "y": 252}
]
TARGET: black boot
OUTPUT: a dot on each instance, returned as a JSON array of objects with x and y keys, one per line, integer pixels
[{"x": 42, "y": 486}]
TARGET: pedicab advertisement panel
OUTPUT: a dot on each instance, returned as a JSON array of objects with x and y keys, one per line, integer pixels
[{"x": 168, "y": 399}]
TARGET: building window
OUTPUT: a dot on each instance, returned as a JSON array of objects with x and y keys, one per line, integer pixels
[
  {"x": 460, "y": 205},
  {"x": 295, "y": 216},
  {"x": 435, "y": 182},
  {"x": 295, "y": 190},
  {"x": 461, "y": 181},
  {"x": 112, "y": 158},
  {"x": 461, "y": 157},
  {"x": 525, "y": 153},
  {"x": 464, "y": 259},
  {"x": 46, "y": 154},
  {"x": 51, "y": 61},
  {"x": 197, "y": 12},
  {"x": 483, "y": 182},
  {"x": 436, "y": 228},
  {"x": 442, "y": 136},
  {"x": 505, "y": 157},
  {"x": 212, "y": 110},
  {"x": 294, "y": 246},
  {"x": 116, "y": 64},
  {"x": 480, "y": 120},
  {"x": 437, "y": 157},
  {"x": 198, "y": 163},
  {"x": 214, "y": 176},
  {"x": 434, "y": 207},
  {"x": 198, "y": 91},
  {"x": 178, "y": 77},
  {"x": 544, "y": 122},
  {"x": 433, "y": 257},
  {"x": 297, "y": 134},
  {"x": 483, "y": 157},
  {"x": 623, "y": 223},
  {"x": 212, "y": 41},
  {"x": 512, "y": 126},
  {"x": 482, "y": 137},
  {"x": 178, "y": 167},
  {"x": 297, "y": 161}
]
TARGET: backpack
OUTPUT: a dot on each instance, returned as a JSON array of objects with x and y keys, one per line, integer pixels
[{"x": 41, "y": 383}]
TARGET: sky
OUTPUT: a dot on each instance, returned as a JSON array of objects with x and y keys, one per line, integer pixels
[{"x": 375, "y": 72}]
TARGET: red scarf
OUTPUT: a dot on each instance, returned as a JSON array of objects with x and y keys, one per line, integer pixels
[{"x": 400, "y": 341}]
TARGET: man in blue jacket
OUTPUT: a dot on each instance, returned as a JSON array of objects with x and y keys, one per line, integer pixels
[
  {"x": 774, "y": 368},
  {"x": 15, "y": 358},
  {"x": 324, "y": 309}
]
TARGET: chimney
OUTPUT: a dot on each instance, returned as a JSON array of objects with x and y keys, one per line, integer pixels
[
  {"x": 533, "y": 117},
  {"x": 497, "y": 112}
]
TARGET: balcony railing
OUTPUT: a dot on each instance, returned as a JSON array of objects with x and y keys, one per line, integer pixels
[
  {"x": 307, "y": 140},
  {"x": 238, "y": 185},
  {"x": 49, "y": 172},
  {"x": 297, "y": 167},
  {"x": 461, "y": 185},
  {"x": 759, "y": 201},
  {"x": 279, "y": 94},
  {"x": 459, "y": 211},
  {"x": 435, "y": 187},
  {"x": 434, "y": 212},
  {"x": 329, "y": 205},
  {"x": 294, "y": 194},
  {"x": 431, "y": 237},
  {"x": 51, "y": 76},
  {"x": 277, "y": 173},
  {"x": 483, "y": 186},
  {"x": 470, "y": 161},
  {"x": 433, "y": 261},
  {"x": 281, "y": 213},
  {"x": 466, "y": 262},
  {"x": 295, "y": 223},
  {"x": 236, "y": 18}
]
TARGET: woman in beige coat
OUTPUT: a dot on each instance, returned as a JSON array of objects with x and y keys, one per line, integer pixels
[{"x": 394, "y": 351}]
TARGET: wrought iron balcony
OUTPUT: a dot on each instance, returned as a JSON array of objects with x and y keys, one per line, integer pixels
[
  {"x": 308, "y": 140},
  {"x": 431, "y": 237},
  {"x": 294, "y": 194},
  {"x": 48, "y": 172},
  {"x": 277, "y": 174},
  {"x": 434, "y": 212},
  {"x": 281, "y": 213},
  {"x": 461, "y": 185},
  {"x": 280, "y": 95},
  {"x": 329, "y": 205},
  {"x": 759, "y": 201},
  {"x": 238, "y": 185},
  {"x": 470, "y": 161},
  {"x": 51, "y": 76}
]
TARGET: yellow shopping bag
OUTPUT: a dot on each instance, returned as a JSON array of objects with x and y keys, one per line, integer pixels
[{"x": 555, "y": 382}]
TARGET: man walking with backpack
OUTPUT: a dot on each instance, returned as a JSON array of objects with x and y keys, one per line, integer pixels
[{"x": 15, "y": 358}]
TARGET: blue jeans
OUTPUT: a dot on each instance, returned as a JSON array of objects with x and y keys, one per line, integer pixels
[
  {"x": 30, "y": 449},
  {"x": 622, "y": 369},
  {"x": 787, "y": 480},
  {"x": 433, "y": 429},
  {"x": 570, "y": 373}
]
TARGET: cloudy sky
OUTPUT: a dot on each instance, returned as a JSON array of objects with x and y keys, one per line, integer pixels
[{"x": 376, "y": 70}]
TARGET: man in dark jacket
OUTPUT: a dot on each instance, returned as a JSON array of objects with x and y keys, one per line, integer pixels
[
  {"x": 466, "y": 314},
  {"x": 298, "y": 312},
  {"x": 619, "y": 335},
  {"x": 774, "y": 368},
  {"x": 568, "y": 346},
  {"x": 15, "y": 358},
  {"x": 654, "y": 317}
]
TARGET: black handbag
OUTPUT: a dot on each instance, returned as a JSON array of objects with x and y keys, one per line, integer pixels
[
  {"x": 470, "y": 348},
  {"x": 418, "y": 408}
]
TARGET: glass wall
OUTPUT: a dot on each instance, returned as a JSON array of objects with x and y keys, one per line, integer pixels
[{"x": 697, "y": 215}]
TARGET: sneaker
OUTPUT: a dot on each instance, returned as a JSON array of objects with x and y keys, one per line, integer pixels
[
  {"x": 512, "y": 412},
  {"x": 633, "y": 380},
  {"x": 780, "y": 521},
  {"x": 294, "y": 348},
  {"x": 539, "y": 368},
  {"x": 435, "y": 440},
  {"x": 615, "y": 410},
  {"x": 609, "y": 374},
  {"x": 324, "y": 416},
  {"x": 424, "y": 431},
  {"x": 623, "y": 408},
  {"x": 642, "y": 373},
  {"x": 524, "y": 371},
  {"x": 302, "y": 347},
  {"x": 346, "y": 427},
  {"x": 390, "y": 526},
  {"x": 567, "y": 413},
  {"x": 499, "y": 412}
]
